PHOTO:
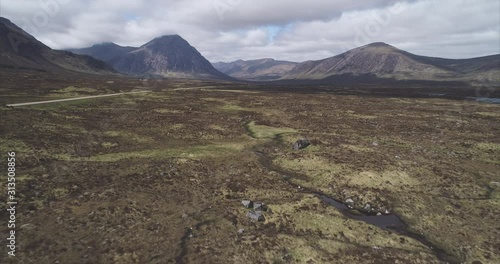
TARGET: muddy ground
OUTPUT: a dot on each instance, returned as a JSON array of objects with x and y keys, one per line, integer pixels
[{"x": 159, "y": 177}]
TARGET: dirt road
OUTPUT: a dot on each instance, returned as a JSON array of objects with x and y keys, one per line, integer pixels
[{"x": 72, "y": 99}]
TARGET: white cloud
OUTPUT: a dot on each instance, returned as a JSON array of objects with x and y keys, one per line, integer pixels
[{"x": 232, "y": 29}]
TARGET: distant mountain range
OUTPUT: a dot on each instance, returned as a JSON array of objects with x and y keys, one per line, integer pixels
[
  {"x": 166, "y": 56},
  {"x": 376, "y": 60},
  {"x": 19, "y": 50},
  {"x": 256, "y": 70},
  {"x": 384, "y": 61},
  {"x": 172, "y": 56}
]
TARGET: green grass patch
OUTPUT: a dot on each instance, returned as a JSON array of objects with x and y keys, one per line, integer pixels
[
  {"x": 489, "y": 147},
  {"x": 17, "y": 146},
  {"x": 129, "y": 136},
  {"x": 267, "y": 132},
  {"x": 233, "y": 108},
  {"x": 72, "y": 91},
  {"x": 489, "y": 114},
  {"x": 192, "y": 152}
]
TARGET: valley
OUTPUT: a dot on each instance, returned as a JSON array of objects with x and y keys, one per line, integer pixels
[
  {"x": 159, "y": 177},
  {"x": 147, "y": 152}
]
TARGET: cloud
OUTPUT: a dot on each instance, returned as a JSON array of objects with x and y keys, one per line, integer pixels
[{"x": 248, "y": 29}]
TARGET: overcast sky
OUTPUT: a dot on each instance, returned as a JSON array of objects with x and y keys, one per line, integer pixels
[{"x": 226, "y": 30}]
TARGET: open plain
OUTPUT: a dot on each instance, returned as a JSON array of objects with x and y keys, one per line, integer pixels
[{"x": 159, "y": 177}]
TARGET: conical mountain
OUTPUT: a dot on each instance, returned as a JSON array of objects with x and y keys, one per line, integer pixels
[{"x": 166, "y": 56}]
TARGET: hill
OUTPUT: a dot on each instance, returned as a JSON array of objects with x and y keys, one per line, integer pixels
[
  {"x": 381, "y": 60},
  {"x": 20, "y": 50}
]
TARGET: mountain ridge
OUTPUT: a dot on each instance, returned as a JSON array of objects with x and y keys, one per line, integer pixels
[
  {"x": 385, "y": 61},
  {"x": 375, "y": 60}
]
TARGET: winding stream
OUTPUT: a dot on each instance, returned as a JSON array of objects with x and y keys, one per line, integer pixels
[{"x": 391, "y": 222}]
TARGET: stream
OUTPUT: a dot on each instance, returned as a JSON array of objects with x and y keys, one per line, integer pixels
[{"x": 391, "y": 222}]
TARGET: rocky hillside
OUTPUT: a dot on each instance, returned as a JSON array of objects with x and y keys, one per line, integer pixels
[{"x": 20, "y": 50}]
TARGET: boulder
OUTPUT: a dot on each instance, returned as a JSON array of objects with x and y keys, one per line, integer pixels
[
  {"x": 301, "y": 144},
  {"x": 259, "y": 206},
  {"x": 256, "y": 216}
]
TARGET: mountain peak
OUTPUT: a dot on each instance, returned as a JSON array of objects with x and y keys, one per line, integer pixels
[
  {"x": 104, "y": 44},
  {"x": 378, "y": 44},
  {"x": 168, "y": 38},
  {"x": 376, "y": 48}
]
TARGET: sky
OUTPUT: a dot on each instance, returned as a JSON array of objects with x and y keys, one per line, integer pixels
[{"x": 227, "y": 30}]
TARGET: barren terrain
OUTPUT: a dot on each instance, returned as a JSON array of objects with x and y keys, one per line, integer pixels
[{"x": 159, "y": 177}]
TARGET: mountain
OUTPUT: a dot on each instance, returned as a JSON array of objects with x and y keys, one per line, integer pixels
[
  {"x": 381, "y": 60},
  {"x": 105, "y": 51},
  {"x": 18, "y": 49},
  {"x": 166, "y": 56},
  {"x": 256, "y": 70}
]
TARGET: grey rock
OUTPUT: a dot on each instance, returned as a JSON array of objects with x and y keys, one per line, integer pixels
[
  {"x": 301, "y": 144},
  {"x": 379, "y": 214},
  {"x": 368, "y": 207},
  {"x": 256, "y": 216},
  {"x": 240, "y": 231},
  {"x": 349, "y": 201},
  {"x": 259, "y": 206},
  {"x": 247, "y": 203}
]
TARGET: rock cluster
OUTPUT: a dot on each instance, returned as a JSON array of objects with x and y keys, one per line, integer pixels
[{"x": 256, "y": 213}]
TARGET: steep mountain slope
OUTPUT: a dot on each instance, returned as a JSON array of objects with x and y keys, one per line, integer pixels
[
  {"x": 385, "y": 61},
  {"x": 167, "y": 56},
  {"x": 18, "y": 49},
  {"x": 256, "y": 70}
]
